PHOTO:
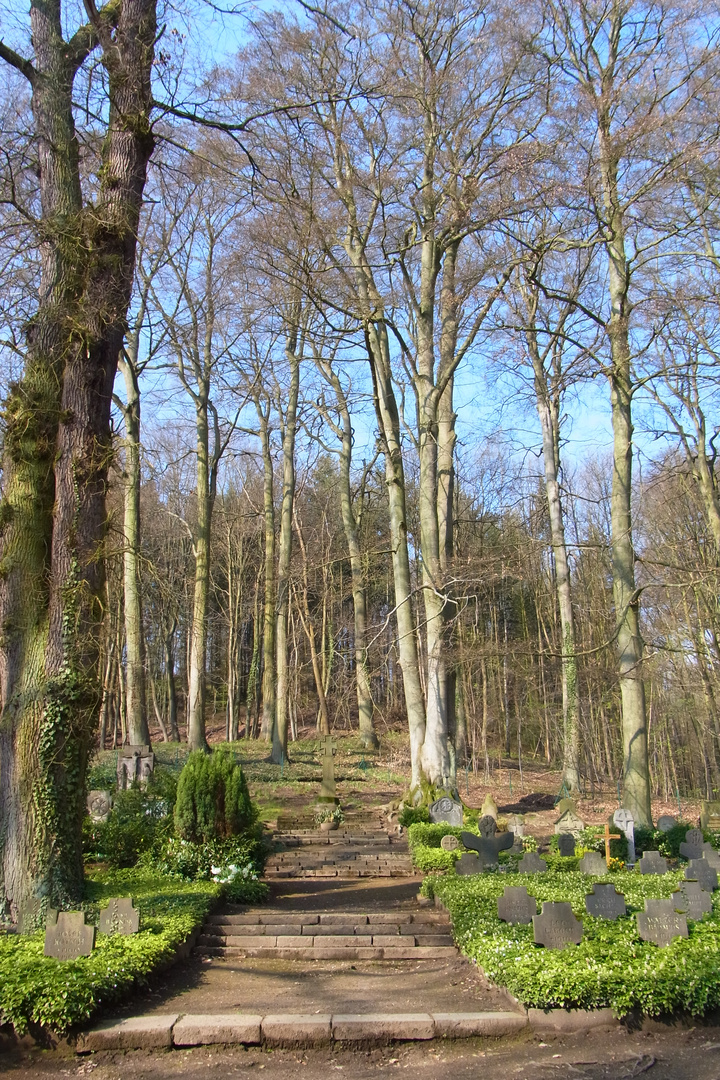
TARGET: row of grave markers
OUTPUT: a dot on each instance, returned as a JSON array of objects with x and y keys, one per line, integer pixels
[{"x": 68, "y": 936}]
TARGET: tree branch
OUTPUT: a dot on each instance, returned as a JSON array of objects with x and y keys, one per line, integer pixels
[{"x": 18, "y": 62}]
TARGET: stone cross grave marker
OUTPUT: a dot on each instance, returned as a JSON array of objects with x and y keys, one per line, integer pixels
[
  {"x": 69, "y": 937},
  {"x": 604, "y": 902},
  {"x": 592, "y": 863},
  {"x": 693, "y": 846},
  {"x": 450, "y": 843},
  {"x": 666, "y": 822},
  {"x": 531, "y": 863},
  {"x": 446, "y": 811},
  {"x": 625, "y": 822},
  {"x": 652, "y": 862},
  {"x": 134, "y": 763},
  {"x": 488, "y": 846},
  {"x": 99, "y": 805},
  {"x": 566, "y": 844},
  {"x": 701, "y": 870},
  {"x": 711, "y": 856},
  {"x": 468, "y": 863},
  {"x": 660, "y": 923},
  {"x": 692, "y": 900},
  {"x": 516, "y": 906},
  {"x": 119, "y": 917},
  {"x": 608, "y": 837},
  {"x": 328, "y": 791},
  {"x": 557, "y": 926},
  {"x": 487, "y": 826},
  {"x": 516, "y": 825}
]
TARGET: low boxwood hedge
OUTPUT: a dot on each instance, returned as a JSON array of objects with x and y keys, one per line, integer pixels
[
  {"x": 59, "y": 994},
  {"x": 610, "y": 967}
]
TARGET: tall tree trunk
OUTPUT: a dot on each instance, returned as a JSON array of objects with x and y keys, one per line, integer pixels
[
  {"x": 205, "y": 495},
  {"x": 269, "y": 677},
  {"x": 169, "y": 647}
]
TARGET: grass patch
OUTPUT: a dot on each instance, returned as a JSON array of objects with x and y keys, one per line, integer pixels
[
  {"x": 60, "y": 994},
  {"x": 611, "y": 967}
]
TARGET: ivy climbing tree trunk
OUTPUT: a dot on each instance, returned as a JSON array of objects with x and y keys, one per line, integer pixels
[{"x": 57, "y": 444}]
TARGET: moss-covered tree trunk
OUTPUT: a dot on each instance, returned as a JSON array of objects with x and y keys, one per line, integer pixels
[{"x": 57, "y": 445}]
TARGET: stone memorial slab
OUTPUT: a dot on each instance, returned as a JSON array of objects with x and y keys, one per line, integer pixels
[
  {"x": 666, "y": 822},
  {"x": 489, "y": 808},
  {"x": 566, "y": 844},
  {"x": 693, "y": 846},
  {"x": 450, "y": 843},
  {"x": 625, "y": 822},
  {"x": 711, "y": 855},
  {"x": 652, "y": 862},
  {"x": 710, "y": 816},
  {"x": 469, "y": 863},
  {"x": 569, "y": 822},
  {"x": 446, "y": 811},
  {"x": 119, "y": 917},
  {"x": 29, "y": 915},
  {"x": 692, "y": 900},
  {"x": 328, "y": 791},
  {"x": 701, "y": 870},
  {"x": 604, "y": 902},
  {"x": 531, "y": 863},
  {"x": 557, "y": 926},
  {"x": 69, "y": 937},
  {"x": 516, "y": 825},
  {"x": 134, "y": 763},
  {"x": 660, "y": 923},
  {"x": 99, "y": 805},
  {"x": 516, "y": 906},
  {"x": 592, "y": 863},
  {"x": 488, "y": 847}
]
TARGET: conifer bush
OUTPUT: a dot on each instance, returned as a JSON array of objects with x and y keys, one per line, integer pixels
[{"x": 213, "y": 802}]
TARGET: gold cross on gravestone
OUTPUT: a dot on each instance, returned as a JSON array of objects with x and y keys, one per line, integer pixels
[{"x": 608, "y": 837}]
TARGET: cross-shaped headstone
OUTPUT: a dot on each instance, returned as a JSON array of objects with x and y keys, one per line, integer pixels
[
  {"x": 626, "y": 824},
  {"x": 328, "y": 790},
  {"x": 468, "y": 863},
  {"x": 711, "y": 855},
  {"x": 604, "y": 902},
  {"x": 691, "y": 899},
  {"x": 488, "y": 847},
  {"x": 557, "y": 926},
  {"x": 119, "y": 917},
  {"x": 516, "y": 906},
  {"x": 531, "y": 863},
  {"x": 592, "y": 863},
  {"x": 608, "y": 837},
  {"x": 701, "y": 870},
  {"x": 652, "y": 862},
  {"x": 69, "y": 937},
  {"x": 660, "y": 923},
  {"x": 566, "y": 844},
  {"x": 693, "y": 846}
]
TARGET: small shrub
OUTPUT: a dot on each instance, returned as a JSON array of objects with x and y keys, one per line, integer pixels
[
  {"x": 329, "y": 813},
  {"x": 195, "y": 862},
  {"x": 137, "y": 822},
  {"x": 413, "y": 815},
  {"x": 213, "y": 801}
]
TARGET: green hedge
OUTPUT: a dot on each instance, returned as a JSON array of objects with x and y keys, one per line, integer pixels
[
  {"x": 610, "y": 967},
  {"x": 59, "y": 994}
]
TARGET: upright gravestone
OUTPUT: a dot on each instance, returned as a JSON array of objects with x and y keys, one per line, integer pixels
[
  {"x": 487, "y": 846},
  {"x": 693, "y": 846},
  {"x": 487, "y": 825},
  {"x": 531, "y": 863},
  {"x": 692, "y": 900},
  {"x": 29, "y": 915},
  {"x": 516, "y": 906},
  {"x": 446, "y": 811},
  {"x": 625, "y": 822},
  {"x": 652, "y": 862},
  {"x": 450, "y": 843},
  {"x": 557, "y": 926},
  {"x": 660, "y": 923},
  {"x": 566, "y": 844},
  {"x": 468, "y": 863},
  {"x": 666, "y": 822},
  {"x": 700, "y": 870},
  {"x": 135, "y": 763},
  {"x": 99, "y": 805},
  {"x": 516, "y": 825},
  {"x": 605, "y": 903},
  {"x": 710, "y": 816},
  {"x": 569, "y": 822},
  {"x": 711, "y": 856},
  {"x": 119, "y": 917},
  {"x": 69, "y": 937},
  {"x": 489, "y": 808},
  {"x": 564, "y": 805},
  {"x": 592, "y": 863},
  {"x": 328, "y": 791}
]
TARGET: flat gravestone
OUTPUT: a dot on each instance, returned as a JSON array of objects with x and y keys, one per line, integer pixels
[
  {"x": 29, "y": 915},
  {"x": 652, "y": 862},
  {"x": 531, "y": 863},
  {"x": 712, "y": 856},
  {"x": 557, "y": 926},
  {"x": 666, "y": 822},
  {"x": 625, "y": 822},
  {"x": 468, "y": 863},
  {"x": 693, "y": 846},
  {"x": 516, "y": 906},
  {"x": 701, "y": 870},
  {"x": 488, "y": 847},
  {"x": 660, "y": 923},
  {"x": 69, "y": 937},
  {"x": 569, "y": 822},
  {"x": 605, "y": 903},
  {"x": 692, "y": 900},
  {"x": 710, "y": 816},
  {"x": 566, "y": 844},
  {"x": 592, "y": 863},
  {"x": 446, "y": 811},
  {"x": 119, "y": 917},
  {"x": 99, "y": 805},
  {"x": 489, "y": 808},
  {"x": 450, "y": 843}
]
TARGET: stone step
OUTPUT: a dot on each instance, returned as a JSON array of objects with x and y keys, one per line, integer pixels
[
  {"x": 302, "y": 918},
  {"x": 329, "y": 952}
]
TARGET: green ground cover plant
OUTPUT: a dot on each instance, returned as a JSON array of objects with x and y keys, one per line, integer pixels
[
  {"x": 611, "y": 967},
  {"x": 60, "y": 994}
]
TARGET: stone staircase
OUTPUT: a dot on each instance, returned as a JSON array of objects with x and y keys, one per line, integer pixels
[
  {"x": 400, "y": 935},
  {"x": 362, "y": 852}
]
